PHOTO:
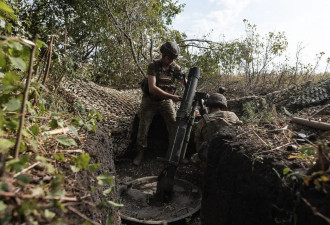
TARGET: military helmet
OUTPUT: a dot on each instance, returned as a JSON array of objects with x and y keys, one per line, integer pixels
[
  {"x": 216, "y": 100},
  {"x": 171, "y": 49}
]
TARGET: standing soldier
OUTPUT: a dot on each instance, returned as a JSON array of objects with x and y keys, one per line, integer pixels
[
  {"x": 159, "y": 95},
  {"x": 211, "y": 123}
]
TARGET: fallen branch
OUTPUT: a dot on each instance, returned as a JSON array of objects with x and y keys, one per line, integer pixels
[
  {"x": 27, "y": 196},
  {"x": 311, "y": 123},
  {"x": 57, "y": 131},
  {"x": 23, "y": 171},
  {"x": 307, "y": 122},
  {"x": 267, "y": 145},
  {"x": 320, "y": 111},
  {"x": 82, "y": 215},
  {"x": 73, "y": 151},
  {"x": 315, "y": 212}
]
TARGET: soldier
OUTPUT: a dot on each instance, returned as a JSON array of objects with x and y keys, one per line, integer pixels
[
  {"x": 210, "y": 124},
  {"x": 159, "y": 95}
]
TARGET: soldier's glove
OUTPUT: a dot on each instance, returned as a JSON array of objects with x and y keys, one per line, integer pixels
[{"x": 179, "y": 75}]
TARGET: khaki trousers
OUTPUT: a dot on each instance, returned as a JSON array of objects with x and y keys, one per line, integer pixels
[{"x": 148, "y": 110}]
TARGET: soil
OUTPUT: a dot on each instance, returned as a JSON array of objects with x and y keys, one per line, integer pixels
[
  {"x": 152, "y": 166},
  {"x": 245, "y": 183},
  {"x": 140, "y": 201}
]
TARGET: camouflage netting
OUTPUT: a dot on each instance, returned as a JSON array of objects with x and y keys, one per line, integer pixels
[
  {"x": 118, "y": 108},
  {"x": 293, "y": 98}
]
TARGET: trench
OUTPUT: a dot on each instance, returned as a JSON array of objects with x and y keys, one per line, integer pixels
[
  {"x": 151, "y": 166},
  {"x": 236, "y": 188}
]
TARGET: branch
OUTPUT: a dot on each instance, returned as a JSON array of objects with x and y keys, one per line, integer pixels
[
  {"x": 127, "y": 36},
  {"x": 83, "y": 216},
  {"x": 25, "y": 98},
  {"x": 26, "y": 169},
  {"x": 315, "y": 212},
  {"x": 151, "y": 47},
  {"x": 142, "y": 43},
  {"x": 27, "y": 196},
  {"x": 49, "y": 60}
]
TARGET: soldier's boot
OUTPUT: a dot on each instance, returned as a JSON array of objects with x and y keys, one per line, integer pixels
[{"x": 138, "y": 159}]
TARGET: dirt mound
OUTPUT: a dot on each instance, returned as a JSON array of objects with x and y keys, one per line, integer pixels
[{"x": 245, "y": 182}]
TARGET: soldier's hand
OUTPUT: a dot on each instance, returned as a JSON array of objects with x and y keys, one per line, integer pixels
[{"x": 176, "y": 98}]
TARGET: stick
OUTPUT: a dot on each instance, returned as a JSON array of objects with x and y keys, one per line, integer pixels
[
  {"x": 82, "y": 215},
  {"x": 274, "y": 148},
  {"x": 23, "y": 171},
  {"x": 260, "y": 138},
  {"x": 26, "y": 93},
  {"x": 27, "y": 196},
  {"x": 319, "y": 111},
  {"x": 73, "y": 151},
  {"x": 311, "y": 123},
  {"x": 315, "y": 212},
  {"x": 57, "y": 131},
  {"x": 49, "y": 60}
]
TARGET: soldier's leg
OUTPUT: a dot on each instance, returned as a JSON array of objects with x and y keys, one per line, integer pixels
[
  {"x": 167, "y": 111},
  {"x": 147, "y": 112}
]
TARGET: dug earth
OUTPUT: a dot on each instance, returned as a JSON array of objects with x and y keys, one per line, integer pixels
[{"x": 256, "y": 174}]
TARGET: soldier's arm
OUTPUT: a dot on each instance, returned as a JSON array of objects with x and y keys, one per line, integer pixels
[{"x": 153, "y": 89}]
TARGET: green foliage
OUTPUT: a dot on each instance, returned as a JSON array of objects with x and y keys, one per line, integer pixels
[
  {"x": 66, "y": 141},
  {"x": 82, "y": 161}
]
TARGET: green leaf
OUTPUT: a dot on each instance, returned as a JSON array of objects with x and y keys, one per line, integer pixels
[
  {"x": 66, "y": 141},
  {"x": 56, "y": 185},
  {"x": 13, "y": 105},
  {"x": 286, "y": 171},
  {"x": 3, "y": 206},
  {"x": 50, "y": 167},
  {"x": 17, "y": 165},
  {"x": 107, "y": 191},
  {"x": 3, "y": 62},
  {"x": 309, "y": 150},
  {"x": 73, "y": 130},
  {"x": 38, "y": 191},
  {"x": 15, "y": 45},
  {"x": 41, "y": 44},
  {"x": 105, "y": 180},
  {"x": 82, "y": 161},
  {"x": 116, "y": 205},
  {"x": 53, "y": 124},
  {"x": 2, "y": 119},
  {"x": 93, "y": 167},
  {"x": 18, "y": 63},
  {"x": 10, "y": 79},
  {"x": 49, "y": 214},
  {"x": 5, "y": 145},
  {"x": 86, "y": 223},
  {"x": 5, "y": 9},
  {"x": 74, "y": 169},
  {"x": 59, "y": 157},
  {"x": 24, "y": 179},
  {"x": 35, "y": 130}
]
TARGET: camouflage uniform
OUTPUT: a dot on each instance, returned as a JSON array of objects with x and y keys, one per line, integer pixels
[
  {"x": 151, "y": 104},
  {"x": 209, "y": 125}
]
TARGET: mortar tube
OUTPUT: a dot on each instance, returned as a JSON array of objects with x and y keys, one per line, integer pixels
[
  {"x": 183, "y": 115},
  {"x": 188, "y": 132}
]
